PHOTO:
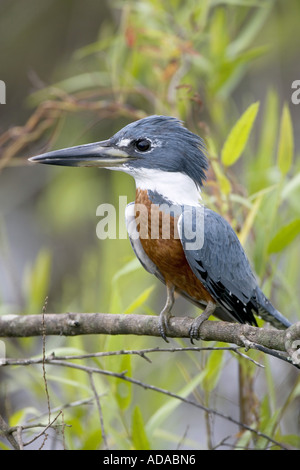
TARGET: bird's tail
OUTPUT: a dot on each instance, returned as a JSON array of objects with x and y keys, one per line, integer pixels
[{"x": 269, "y": 313}]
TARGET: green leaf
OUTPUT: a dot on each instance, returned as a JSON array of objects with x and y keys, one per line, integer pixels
[
  {"x": 170, "y": 406},
  {"x": 244, "y": 440},
  {"x": 64, "y": 380},
  {"x": 37, "y": 279},
  {"x": 213, "y": 370},
  {"x": 91, "y": 440},
  {"x": 142, "y": 298},
  {"x": 123, "y": 388},
  {"x": 292, "y": 439},
  {"x": 248, "y": 224},
  {"x": 4, "y": 447},
  {"x": 251, "y": 27},
  {"x": 284, "y": 236},
  {"x": 239, "y": 135},
  {"x": 70, "y": 85},
  {"x": 223, "y": 181},
  {"x": 19, "y": 417},
  {"x": 268, "y": 422},
  {"x": 131, "y": 266},
  {"x": 218, "y": 33},
  {"x": 242, "y": 3},
  {"x": 286, "y": 142},
  {"x": 268, "y": 129},
  {"x": 291, "y": 186},
  {"x": 139, "y": 436}
]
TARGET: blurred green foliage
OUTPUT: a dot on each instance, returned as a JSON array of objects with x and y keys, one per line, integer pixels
[{"x": 189, "y": 59}]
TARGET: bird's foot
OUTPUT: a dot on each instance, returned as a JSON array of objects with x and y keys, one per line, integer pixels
[
  {"x": 165, "y": 314},
  {"x": 163, "y": 324},
  {"x": 195, "y": 328},
  {"x": 197, "y": 323}
]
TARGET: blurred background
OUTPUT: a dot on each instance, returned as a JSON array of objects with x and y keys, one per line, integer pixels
[{"x": 76, "y": 72}]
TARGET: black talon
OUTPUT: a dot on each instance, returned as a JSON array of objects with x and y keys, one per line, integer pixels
[{"x": 195, "y": 328}]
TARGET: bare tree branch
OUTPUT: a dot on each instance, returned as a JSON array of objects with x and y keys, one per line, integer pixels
[
  {"x": 75, "y": 324},
  {"x": 5, "y": 431},
  {"x": 267, "y": 340}
]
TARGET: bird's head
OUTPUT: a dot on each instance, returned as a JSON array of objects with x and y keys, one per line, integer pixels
[{"x": 156, "y": 145}]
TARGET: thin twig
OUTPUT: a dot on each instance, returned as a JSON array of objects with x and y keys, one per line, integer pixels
[
  {"x": 44, "y": 368},
  {"x": 19, "y": 437},
  {"x": 43, "y": 432},
  {"x": 99, "y": 410},
  {"x": 28, "y": 427},
  {"x": 85, "y": 401},
  {"x": 122, "y": 376},
  {"x": 63, "y": 361},
  {"x": 139, "y": 352}
]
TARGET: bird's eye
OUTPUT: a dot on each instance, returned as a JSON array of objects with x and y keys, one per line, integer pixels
[{"x": 143, "y": 145}]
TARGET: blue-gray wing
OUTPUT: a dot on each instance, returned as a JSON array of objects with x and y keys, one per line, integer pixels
[
  {"x": 221, "y": 265},
  {"x": 217, "y": 258}
]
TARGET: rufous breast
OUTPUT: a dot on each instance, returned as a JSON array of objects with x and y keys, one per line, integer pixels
[{"x": 157, "y": 227}]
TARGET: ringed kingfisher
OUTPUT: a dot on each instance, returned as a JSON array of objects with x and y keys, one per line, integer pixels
[{"x": 168, "y": 163}]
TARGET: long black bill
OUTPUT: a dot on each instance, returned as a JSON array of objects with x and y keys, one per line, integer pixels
[{"x": 99, "y": 154}]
